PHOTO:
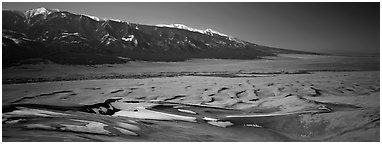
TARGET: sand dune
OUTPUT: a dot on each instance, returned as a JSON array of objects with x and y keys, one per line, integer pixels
[{"x": 322, "y": 106}]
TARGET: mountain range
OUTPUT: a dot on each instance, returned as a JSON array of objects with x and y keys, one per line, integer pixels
[{"x": 67, "y": 38}]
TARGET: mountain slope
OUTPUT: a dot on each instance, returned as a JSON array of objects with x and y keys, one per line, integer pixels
[{"x": 68, "y": 38}]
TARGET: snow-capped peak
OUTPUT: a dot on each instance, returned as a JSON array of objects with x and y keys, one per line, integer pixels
[
  {"x": 182, "y": 26},
  {"x": 38, "y": 11}
]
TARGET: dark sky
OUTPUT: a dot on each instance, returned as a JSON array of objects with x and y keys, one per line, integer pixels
[{"x": 318, "y": 27}]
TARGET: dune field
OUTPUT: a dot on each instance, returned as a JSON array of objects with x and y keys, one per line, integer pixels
[{"x": 286, "y": 98}]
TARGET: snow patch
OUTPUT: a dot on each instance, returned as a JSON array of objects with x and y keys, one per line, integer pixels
[
  {"x": 115, "y": 20},
  {"x": 93, "y": 17},
  {"x": 213, "y": 32},
  {"x": 129, "y": 38},
  {"x": 16, "y": 41},
  {"x": 182, "y": 26},
  {"x": 63, "y": 15},
  {"x": 38, "y": 11}
]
